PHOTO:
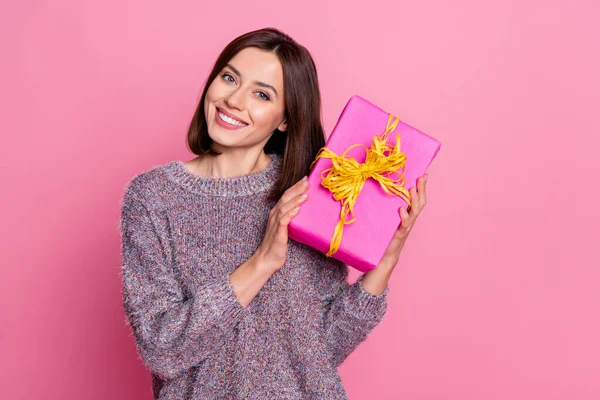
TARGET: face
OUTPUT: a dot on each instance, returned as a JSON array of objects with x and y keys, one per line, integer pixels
[{"x": 245, "y": 103}]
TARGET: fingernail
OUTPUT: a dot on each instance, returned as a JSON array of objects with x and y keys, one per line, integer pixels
[
  {"x": 425, "y": 177},
  {"x": 303, "y": 197}
]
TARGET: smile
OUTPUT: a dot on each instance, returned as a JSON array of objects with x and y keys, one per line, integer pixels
[{"x": 230, "y": 120}]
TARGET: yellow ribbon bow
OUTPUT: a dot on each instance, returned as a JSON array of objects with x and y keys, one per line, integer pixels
[{"x": 346, "y": 177}]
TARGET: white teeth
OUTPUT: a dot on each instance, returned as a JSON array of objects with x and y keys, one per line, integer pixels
[{"x": 231, "y": 120}]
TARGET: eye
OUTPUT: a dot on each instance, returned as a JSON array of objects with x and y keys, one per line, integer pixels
[
  {"x": 228, "y": 78},
  {"x": 263, "y": 95}
]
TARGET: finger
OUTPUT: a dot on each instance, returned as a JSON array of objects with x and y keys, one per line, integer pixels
[
  {"x": 298, "y": 188},
  {"x": 287, "y": 218},
  {"x": 405, "y": 217},
  {"x": 422, "y": 189},
  {"x": 415, "y": 202},
  {"x": 405, "y": 224},
  {"x": 418, "y": 197},
  {"x": 281, "y": 225},
  {"x": 284, "y": 208}
]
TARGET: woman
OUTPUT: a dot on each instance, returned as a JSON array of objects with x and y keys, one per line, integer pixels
[{"x": 221, "y": 303}]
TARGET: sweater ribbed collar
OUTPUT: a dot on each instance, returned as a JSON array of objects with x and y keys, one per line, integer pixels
[{"x": 242, "y": 185}]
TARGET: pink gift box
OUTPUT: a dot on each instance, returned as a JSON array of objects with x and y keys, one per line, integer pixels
[{"x": 364, "y": 241}]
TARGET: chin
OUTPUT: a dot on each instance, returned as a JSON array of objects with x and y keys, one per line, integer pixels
[
  {"x": 220, "y": 142},
  {"x": 226, "y": 139}
]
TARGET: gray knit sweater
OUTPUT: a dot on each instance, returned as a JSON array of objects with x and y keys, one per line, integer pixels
[{"x": 182, "y": 235}]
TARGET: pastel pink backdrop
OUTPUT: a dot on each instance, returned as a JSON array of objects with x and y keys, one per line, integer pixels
[{"x": 496, "y": 295}]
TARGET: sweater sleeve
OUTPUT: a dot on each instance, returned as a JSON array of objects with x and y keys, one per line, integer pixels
[
  {"x": 350, "y": 315},
  {"x": 174, "y": 329}
]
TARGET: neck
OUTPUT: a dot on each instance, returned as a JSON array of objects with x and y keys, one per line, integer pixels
[{"x": 230, "y": 163}]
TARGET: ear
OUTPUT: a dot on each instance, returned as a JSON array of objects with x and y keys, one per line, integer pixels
[{"x": 283, "y": 126}]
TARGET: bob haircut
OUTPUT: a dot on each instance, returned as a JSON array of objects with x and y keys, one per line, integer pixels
[{"x": 304, "y": 136}]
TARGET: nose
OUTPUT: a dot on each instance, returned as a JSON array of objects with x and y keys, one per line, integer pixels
[{"x": 236, "y": 99}]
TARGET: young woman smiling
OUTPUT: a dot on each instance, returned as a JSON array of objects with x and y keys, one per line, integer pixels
[{"x": 221, "y": 303}]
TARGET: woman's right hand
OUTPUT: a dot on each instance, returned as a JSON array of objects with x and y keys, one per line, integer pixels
[{"x": 273, "y": 250}]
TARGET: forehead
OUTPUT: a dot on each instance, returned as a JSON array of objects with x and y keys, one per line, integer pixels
[{"x": 259, "y": 65}]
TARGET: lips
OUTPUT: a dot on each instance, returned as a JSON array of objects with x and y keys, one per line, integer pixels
[{"x": 228, "y": 114}]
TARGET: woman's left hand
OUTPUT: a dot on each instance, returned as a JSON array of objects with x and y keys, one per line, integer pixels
[{"x": 418, "y": 198}]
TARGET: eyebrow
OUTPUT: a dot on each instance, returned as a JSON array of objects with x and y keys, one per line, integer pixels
[{"x": 261, "y": 84}]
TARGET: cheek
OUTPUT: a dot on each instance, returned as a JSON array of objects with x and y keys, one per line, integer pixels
[
  {"x": 211, "y": 96},
  {"x": 206, "y": 107},
  {"x": 267, "y": 117},
  {"x": 217, "y": 90},
  {"x": 211, "y": 92}
]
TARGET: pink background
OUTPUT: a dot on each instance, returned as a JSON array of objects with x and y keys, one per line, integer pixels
[{"x": 497, "y": 293}]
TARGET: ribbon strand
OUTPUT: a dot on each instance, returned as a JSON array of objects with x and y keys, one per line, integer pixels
[{"x": 346, "y": 177}]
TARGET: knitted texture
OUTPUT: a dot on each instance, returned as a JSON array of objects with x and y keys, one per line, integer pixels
[{"x": 182, "y": 235}]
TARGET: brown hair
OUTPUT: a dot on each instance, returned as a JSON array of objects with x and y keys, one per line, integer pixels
[{"x": 304, "y": 136}]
